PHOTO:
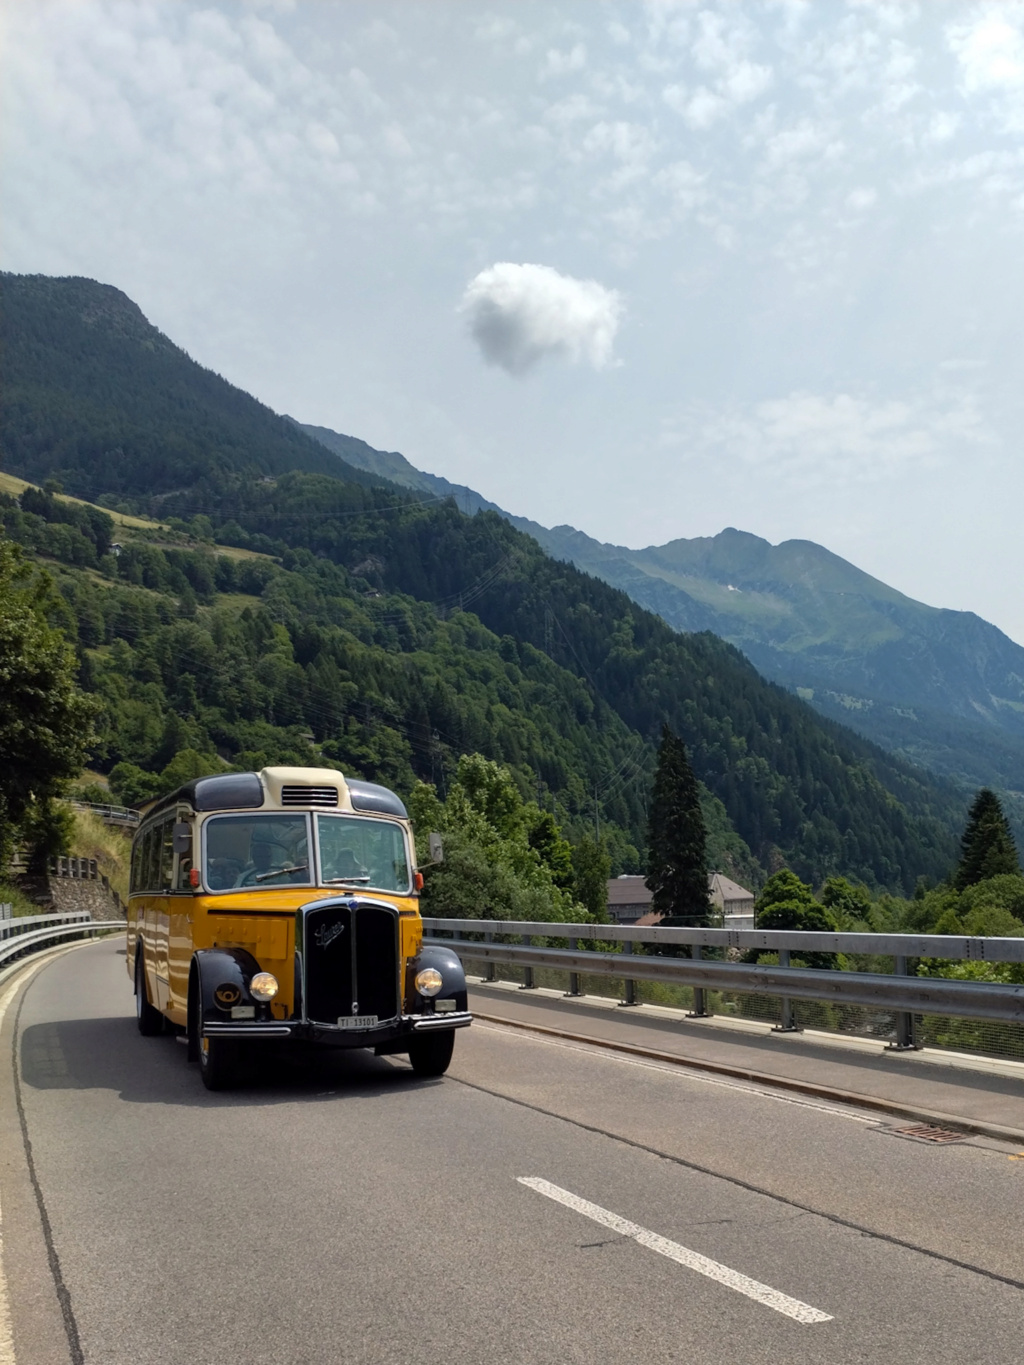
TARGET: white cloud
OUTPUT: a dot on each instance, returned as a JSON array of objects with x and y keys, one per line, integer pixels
[
  {"x": 990, "y": 50},
  {"x": 518, "y": 314},
  {"x": 685, "y": 186},
  {"x": 558, "y": 63},
  {"x": 862, "y": 198}
]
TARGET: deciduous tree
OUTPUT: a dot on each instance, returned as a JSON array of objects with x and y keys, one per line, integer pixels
[{"x": 45, "y": 721}]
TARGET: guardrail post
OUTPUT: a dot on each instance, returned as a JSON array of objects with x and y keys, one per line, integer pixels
[
  {"x": 574, "y": 978},
  {"x": 630, "y": 984},
  {"x": 905, "y": 1040},
  {"x": 786, "y": 1024},
  {"x": 700, "y": 1000},
  {"x": 491, "y": 973},
  {"x": 528, "y": 984}
]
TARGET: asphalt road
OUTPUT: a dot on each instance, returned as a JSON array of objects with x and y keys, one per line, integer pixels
[{"x": 336, "y": 1209}]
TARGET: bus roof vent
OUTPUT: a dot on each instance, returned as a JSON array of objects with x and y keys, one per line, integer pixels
[{"x": 309, "y": 796}]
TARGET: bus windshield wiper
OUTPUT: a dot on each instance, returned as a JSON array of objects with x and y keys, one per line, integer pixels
[
  {"x": 280, "y": 872},
  {"x": 330, "y": 881}
]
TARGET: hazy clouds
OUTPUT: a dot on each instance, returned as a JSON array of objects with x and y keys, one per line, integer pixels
[
  {"x": 815, "y": 213},
  {"x": 518, "y": 314}
]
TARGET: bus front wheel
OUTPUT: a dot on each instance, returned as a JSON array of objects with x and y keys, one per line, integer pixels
[
  {"x": 218, "y": 1062},
  {"x": 431, "y": 1053},
  {"x": 150, "y": 1020}
]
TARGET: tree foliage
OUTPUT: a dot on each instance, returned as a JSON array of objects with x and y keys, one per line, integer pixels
[
  {"x": 504, "y": 858},
  {"x": 591, "y": 868},
  {"x": 362, "y": 635},
  {"x": 45, "y": 720},
  {"x": 677, "y": 863},
  {"x": 986, "y": 848},
  {"x": 788, "y": 903}
]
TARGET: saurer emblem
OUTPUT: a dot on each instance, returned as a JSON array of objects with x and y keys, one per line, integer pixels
[{"x": 327, "y": 933}]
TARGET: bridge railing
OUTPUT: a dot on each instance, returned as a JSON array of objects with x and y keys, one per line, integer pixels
[
  {"x": 33, "y": 933},
  {"x": 495, "y": 942},
  {"x": 114, "y": 815}
]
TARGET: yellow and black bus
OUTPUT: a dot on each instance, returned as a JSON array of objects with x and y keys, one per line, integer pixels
[{"x": 283, "y": 905}]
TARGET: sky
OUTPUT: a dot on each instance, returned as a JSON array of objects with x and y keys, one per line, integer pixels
[{"x": 647, "y": 269}]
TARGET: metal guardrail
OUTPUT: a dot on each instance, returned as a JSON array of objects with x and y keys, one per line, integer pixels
[
  {"x": 957, "y": 947},
  {"x": 899, "y": 992},
  {"x": 26, "y": 924},
  {"x": 118, "y": 815},
  {"x": 32, "y": 933}
]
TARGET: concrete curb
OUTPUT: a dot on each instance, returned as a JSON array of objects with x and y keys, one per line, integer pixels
[{"x": 810, "y": 1088}]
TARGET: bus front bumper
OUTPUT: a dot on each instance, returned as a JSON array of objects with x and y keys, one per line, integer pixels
[{"x": 394, "y": 1031}]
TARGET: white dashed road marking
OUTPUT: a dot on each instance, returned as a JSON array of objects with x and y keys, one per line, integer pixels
[{"x": 693, "y": 1260}]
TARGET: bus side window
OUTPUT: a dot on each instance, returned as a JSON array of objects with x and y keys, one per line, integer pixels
[
  {"x": 136, "y": 877},
  {"x": 183, "y": 839},
  {"x": 151, "y": 858},
  {"x": 166, "y": 837}
]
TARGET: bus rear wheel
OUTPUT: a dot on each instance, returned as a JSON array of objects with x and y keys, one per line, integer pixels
[
  {"x": 150, "y": 1020},
  {"x": 431, "y": 1053},
  {"x": 218, "y": 1062}
]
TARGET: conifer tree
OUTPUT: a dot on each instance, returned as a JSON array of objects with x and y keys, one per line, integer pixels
[
  {"x": 987, "y": 848},
  {"x": 677, "y": 864}
]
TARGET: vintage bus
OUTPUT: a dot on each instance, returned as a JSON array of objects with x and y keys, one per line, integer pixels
[{"x": 283, "y": 905}]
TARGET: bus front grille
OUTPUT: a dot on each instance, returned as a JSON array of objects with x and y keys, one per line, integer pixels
[{"x": 350, "y": 961}]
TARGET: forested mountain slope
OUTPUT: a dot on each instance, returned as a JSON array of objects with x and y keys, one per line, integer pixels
[
  {"x": 397, "y": 632},
  {"x": 89, "y": 385},
  {"x": 944, "y": 688}
]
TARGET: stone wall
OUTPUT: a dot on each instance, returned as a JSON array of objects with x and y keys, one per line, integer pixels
[{"x": 62, "y": 895}]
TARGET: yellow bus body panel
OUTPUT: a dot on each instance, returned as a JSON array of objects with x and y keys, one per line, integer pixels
[{"x": 261, "y": 922}]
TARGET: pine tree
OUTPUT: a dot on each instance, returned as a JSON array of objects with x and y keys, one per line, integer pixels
[
  {"x": 987, "y": 848},
  {"x": 677, "y": 865}
]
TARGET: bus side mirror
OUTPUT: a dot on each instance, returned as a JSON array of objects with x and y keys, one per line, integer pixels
[
  {"x": 436, "y": 849},
  {"x": 182, "y": 836}
]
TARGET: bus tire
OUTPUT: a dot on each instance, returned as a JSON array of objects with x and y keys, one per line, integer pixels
[
  {"x": 431, "y": 1054},
  {"x": 218, "y": 1062},
  {"x": 149, "y": 1020}
]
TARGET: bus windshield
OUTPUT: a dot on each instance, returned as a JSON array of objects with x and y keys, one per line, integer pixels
[
  {"x": 270, "y": 851},
  {"x": 257, "y": 850},
  {"x": 355, "y": 851}
]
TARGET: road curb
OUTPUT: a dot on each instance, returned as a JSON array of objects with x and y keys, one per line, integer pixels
[{"x": 809, "y": 1088}]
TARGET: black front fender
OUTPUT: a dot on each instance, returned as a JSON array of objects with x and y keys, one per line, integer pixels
[
  {"x": 445, "y": 961},
  {"x": 226, "y": 971}
]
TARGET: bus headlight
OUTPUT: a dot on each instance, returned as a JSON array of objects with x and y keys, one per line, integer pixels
[
  {"x": 428, "y": 981},
  {"x": 264, "y": 987}
]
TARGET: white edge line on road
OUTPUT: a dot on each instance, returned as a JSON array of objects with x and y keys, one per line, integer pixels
[
  {"x": 10, "y": 986},
  {"x": 681, "y": 1072},
  {"x": 693, "y": 1260}
]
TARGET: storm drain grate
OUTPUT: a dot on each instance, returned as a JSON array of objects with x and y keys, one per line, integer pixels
[{"x": 927, "y": 1132}]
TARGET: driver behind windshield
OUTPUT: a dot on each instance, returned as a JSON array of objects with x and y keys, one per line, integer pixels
[{"x": 274, "y": 862}]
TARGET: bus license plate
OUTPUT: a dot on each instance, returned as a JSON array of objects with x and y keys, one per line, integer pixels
[{"x": 358, "y": 1021}]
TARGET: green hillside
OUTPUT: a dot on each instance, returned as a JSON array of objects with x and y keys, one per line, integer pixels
[
  {"x": 389, "y": 633},
  {"x": 95, "y": 396}
]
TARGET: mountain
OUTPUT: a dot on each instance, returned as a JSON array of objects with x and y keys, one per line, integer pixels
[
  {"x": 942, "y": 688},
  {"x": 99, "y": 399},
  {"x": 270, "y": 612}
]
